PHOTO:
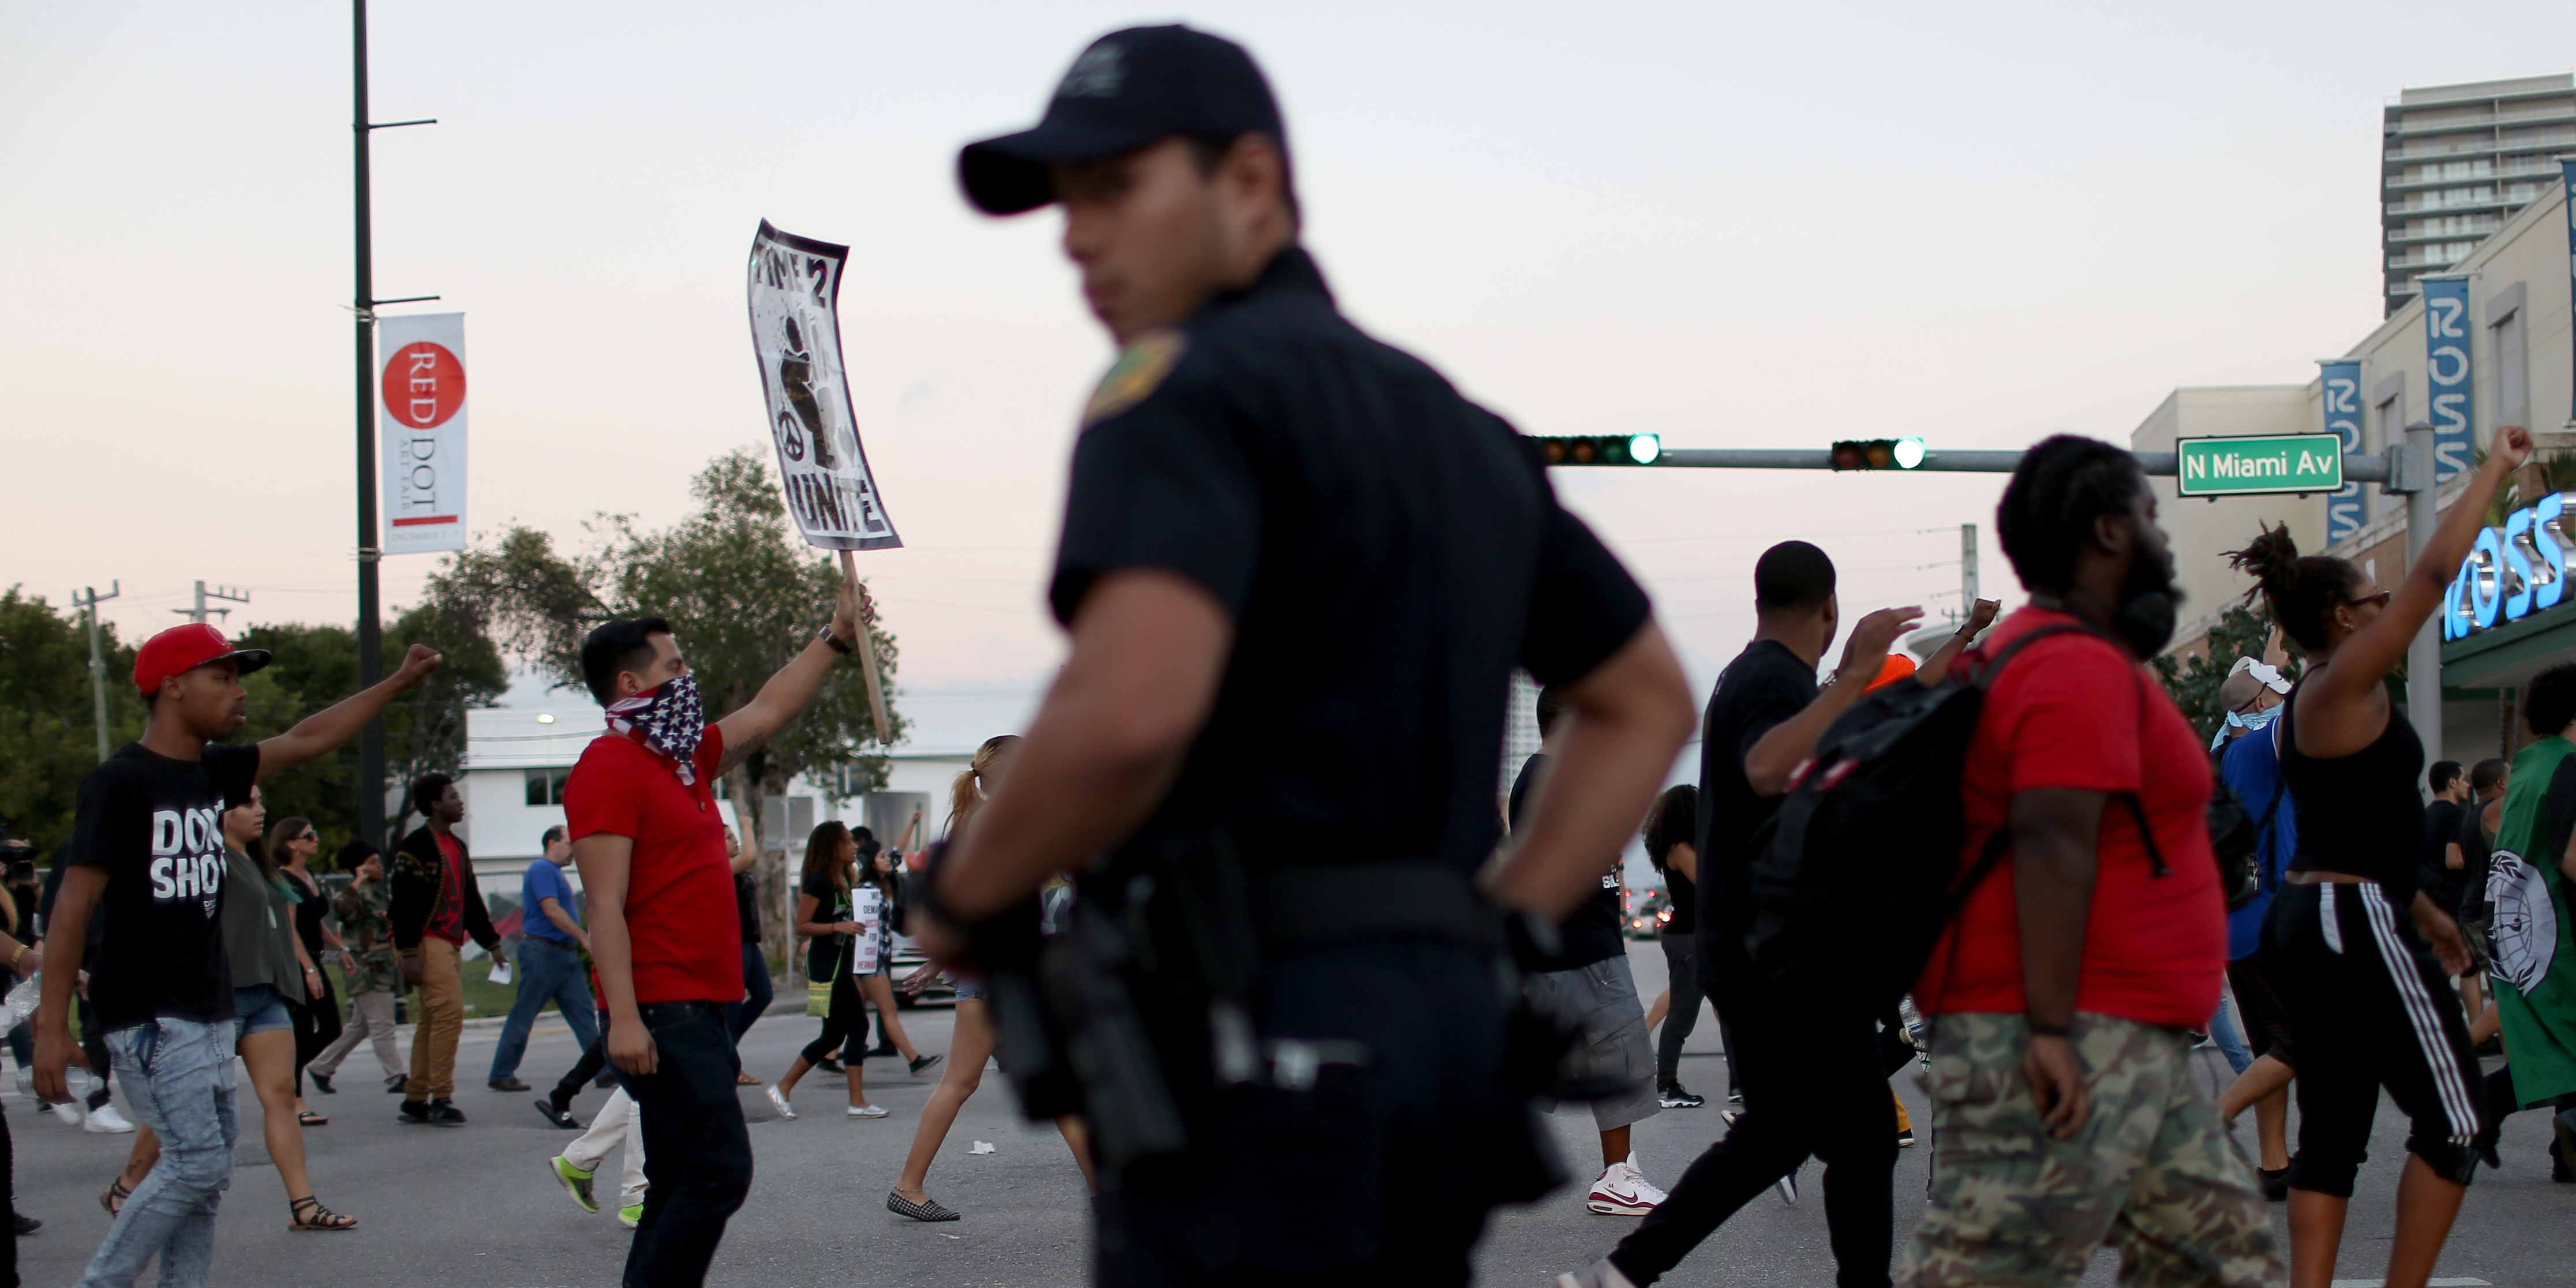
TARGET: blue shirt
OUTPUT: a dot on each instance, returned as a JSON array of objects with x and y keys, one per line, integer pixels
[
  {"x": 2251, "y": 768},
  {"x": 546, "y": 881}
]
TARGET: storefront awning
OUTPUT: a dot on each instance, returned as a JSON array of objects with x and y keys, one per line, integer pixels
[{"x": 2512, "y": 653}]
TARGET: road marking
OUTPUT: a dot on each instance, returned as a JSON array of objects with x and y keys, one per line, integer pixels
[{"x": 2462, "y": 1282}]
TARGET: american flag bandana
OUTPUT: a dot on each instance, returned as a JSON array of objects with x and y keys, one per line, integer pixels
[{"x": 672, "y": 719}]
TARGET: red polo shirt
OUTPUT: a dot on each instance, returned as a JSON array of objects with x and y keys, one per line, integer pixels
[{"x": 680, "y": 913}]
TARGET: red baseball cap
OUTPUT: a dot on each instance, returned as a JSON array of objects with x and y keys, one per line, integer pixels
[{"x": 185, "y": 648}]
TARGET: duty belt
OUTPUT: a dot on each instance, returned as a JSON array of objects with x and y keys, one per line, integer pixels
[{"x": 1302, "y": 907}]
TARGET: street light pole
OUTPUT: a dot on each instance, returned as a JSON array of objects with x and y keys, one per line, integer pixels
[
  {"x": 2424, "y": 652},
  {"x": 371, "y": 740}
]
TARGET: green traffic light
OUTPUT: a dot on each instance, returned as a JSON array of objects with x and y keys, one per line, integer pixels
[
  {"x": 1644, "y": 448},
  {"x": 1908, "y": 453}
]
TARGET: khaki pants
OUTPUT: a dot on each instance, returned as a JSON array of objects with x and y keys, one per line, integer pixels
[
  {"x": 371, "y": 1015},
  {"x": 442, "y": 1019}
]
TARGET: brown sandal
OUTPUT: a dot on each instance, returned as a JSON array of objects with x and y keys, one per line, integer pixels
[
  {"x": 117, "y": 1194},
  {"x": 307, "y": 1213}
]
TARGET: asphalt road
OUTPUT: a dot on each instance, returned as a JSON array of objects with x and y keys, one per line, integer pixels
[{"x": 477, "y": 1205}]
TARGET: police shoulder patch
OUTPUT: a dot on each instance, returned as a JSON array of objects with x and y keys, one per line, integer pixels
[{"x": 1139, "y": 371}]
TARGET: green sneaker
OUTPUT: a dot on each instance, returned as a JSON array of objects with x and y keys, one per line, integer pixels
[
  {"x": 576, "y": 1182},
  {"x": 630, "y": 1217}
]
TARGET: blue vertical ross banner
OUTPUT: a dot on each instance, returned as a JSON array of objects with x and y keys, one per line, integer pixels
[
  {"x": 2447, "y": 372},
  {"x": 2339, "y": 381}
]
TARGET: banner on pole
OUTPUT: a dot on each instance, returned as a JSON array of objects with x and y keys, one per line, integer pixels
[
  {"x": 795, "y": 287},
  {"x": 2340, "y": 379},
  {"x": 2447, "y": 373},
  {"x": 2567, "y": 177},
  {"x": 420, "y": 420}
]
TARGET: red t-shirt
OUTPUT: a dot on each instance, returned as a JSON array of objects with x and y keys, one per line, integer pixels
[
  {"x": 447, "y": 918},
  {"x": 2065, "y": 713},
  {"x": 680, "y": 917}
]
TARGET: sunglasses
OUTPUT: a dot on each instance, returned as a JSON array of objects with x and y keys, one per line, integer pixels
[{"x": 2379, "y": 600}]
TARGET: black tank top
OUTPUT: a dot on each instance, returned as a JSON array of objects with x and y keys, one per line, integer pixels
[{"x": 2359, "y": 814}]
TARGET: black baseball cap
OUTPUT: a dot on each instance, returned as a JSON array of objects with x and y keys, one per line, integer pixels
[{"x": 1129, "y": 89}]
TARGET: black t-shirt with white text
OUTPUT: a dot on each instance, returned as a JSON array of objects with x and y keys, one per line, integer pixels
[
  {"x": 1765, "y": 685},
  {"x": 154, "y": 825},
  {"x": 1591, "y": 932},
  {"x": 828, "y": 956}
]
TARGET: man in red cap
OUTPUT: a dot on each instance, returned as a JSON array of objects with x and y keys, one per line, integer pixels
[{"x": 147, "y": 848}]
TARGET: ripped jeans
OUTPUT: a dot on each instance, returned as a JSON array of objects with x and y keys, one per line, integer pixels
[{"x": 178, "y": 1075}]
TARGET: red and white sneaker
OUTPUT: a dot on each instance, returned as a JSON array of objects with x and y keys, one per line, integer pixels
[{"x": 1622, "y": 1190}]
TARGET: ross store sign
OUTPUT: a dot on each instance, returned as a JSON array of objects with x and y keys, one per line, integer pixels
[
  {"x": 2513, "y": 572},
  {"x": 2446, "y": 369},
  {"x": 2254, "y": 466},
  {"x": 2339, "y": 381}
]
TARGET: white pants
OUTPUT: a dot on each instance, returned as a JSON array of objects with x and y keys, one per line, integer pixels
[{"x": 617, "y": 1119}]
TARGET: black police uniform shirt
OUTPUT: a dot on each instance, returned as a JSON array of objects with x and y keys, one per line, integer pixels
[
  {"x": 1765, "y": 685},
  {"x": 154, "y": 826},
  {"x": 1388, "y": 552},
  {"x": 1591, "y": 932}
]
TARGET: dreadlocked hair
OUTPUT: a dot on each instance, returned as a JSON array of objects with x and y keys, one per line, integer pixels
[
  {"x": 2047, "y": 512},
  {"x": 2302, "y": 590}
]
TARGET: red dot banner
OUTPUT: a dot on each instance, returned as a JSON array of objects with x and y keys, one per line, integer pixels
[{"x": 420, "y": 414}]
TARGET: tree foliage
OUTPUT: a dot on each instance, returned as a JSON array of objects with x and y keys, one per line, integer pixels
[{"x": 48, "y": 726}]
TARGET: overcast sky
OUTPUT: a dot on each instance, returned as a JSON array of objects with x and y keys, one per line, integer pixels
[{"x": 1732, "y": 226}]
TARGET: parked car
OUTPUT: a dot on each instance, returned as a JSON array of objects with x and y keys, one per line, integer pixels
[{"x": 909, "y": 958}]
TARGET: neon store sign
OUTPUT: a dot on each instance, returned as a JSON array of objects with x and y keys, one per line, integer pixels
[{"x": 2514, "y": 571}]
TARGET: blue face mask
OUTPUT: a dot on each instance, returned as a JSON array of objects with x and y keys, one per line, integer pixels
[{"x": 2250, "y": 722}]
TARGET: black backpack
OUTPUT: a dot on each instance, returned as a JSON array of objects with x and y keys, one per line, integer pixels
[{"x": 1858, "y": 872}]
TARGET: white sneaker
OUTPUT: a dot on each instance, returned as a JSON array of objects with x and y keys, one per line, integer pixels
[
  {"x": 785, "y": 1110},
  {"x": 867, "y": 1111},
  {"x": 1646, "y": 1189},
  {"x": 105, "y": 1121},
  {"x": 1600, "y": 1274},
  {"x": 69, "y": 1111},
  {"x": 1619, "y": 1191}
]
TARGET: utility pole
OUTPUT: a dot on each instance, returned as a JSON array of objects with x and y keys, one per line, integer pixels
[
  {"x": 88, "y": 601},
  {"x": 200, "y": 613},
  {"x": 371, "y": 740}
]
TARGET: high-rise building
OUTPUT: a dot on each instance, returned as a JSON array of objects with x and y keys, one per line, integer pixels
[{"x": 2457, "y": 161}]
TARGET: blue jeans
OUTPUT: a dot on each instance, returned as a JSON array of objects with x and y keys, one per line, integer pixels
[
  {"x": 179, "y": 1077},
  {"x": 697, "y": 1151},
  {"x": 548, "y": 972},
  {"x": 2222, "y": 1030},
  {"x": 756, "y": 991}
]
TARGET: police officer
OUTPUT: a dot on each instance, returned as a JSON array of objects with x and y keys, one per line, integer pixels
[{"x": 1298, "y": 570}]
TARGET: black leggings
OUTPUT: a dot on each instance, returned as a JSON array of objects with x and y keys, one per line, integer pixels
[
  {"x": 848, "y": 1013},
  {"x": 317, "y": 1025},
  {"x": 2369, "y": 1008}
]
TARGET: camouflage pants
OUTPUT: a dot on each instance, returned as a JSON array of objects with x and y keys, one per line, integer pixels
[{"x": 2152, "y": 1173}]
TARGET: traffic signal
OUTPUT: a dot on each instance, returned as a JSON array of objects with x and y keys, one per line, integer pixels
[
  {"x": 1878, "y": 453},
  {"x": 1603, "y": 449}
]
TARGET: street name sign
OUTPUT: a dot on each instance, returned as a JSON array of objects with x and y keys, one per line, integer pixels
[{"x": 2252, "y": 466}]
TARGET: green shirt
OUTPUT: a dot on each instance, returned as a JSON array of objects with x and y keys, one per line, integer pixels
[{"x": 367, "y": 932}]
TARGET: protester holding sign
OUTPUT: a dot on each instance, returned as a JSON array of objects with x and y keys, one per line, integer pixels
[{"x": 649, "y": 843}]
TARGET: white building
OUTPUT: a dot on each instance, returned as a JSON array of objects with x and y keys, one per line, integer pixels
[{"x": 518, "y": 754}]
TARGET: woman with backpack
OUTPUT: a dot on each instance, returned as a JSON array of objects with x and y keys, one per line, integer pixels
[{"x": 2362, "y": 957}]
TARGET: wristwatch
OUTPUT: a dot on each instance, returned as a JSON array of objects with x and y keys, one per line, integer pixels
[{"x": 839, "y": 645}]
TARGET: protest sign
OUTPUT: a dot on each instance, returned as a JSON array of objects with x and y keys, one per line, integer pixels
[{"x": 794, "y": 284}]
